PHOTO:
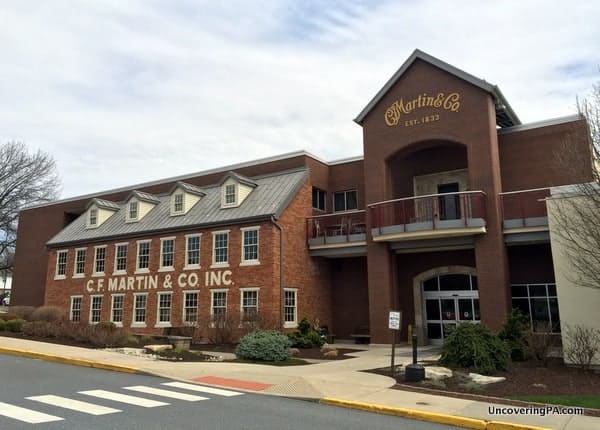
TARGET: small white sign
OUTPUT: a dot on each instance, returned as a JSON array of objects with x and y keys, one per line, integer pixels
[{"x": 394, "y": 321}]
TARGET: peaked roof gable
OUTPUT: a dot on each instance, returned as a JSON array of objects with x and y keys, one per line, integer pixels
[
  {"x": 103, "y": 204},
  {"x": 239, "y": 178},
  {"x": 505, "y": 116},
  {"x": 188, "y": 188},
  {"x": 145, "y": 197}
]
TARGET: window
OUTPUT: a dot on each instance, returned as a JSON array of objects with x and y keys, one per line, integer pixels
[
  {"x": 121, "y": 257},
  {"x": 164, "y": 309},
  {"x": 167, "y": 251},
  {"x": 139, "y": 309},
  {"x": 79, "y": 269},
  {"x": 540, "y": 303},
  {"x": 116, "y": 313},
  {"x": 93, "y": 220},
  {"x": 249, "y": 305},
  {"x": 75, "y": 313},
  {"x": 318, "y": 198},
  {"x": 190, "y": 307},
  {"x": 61, "y": 265},
  {"x": 192, "y": 251},
  {"x": 178, "y": 203},
  {"x": 290, "y": 308},
  {"x": 345, "y": 201},
  {"x": 132, "y": 213},
  {"x": 99, "y": 260},
  {"x": 230, "y": 194},
  {"x": 218, "y": 306},
  {"x": 95, "y": 309},
  {"x": 220, "y": 247},
  {"x": 250, "y": 245},
  {"x": 143, "y": 257}
]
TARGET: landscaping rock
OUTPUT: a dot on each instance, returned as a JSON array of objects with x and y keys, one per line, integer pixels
[
  {"x": 294, "y": 352},
  {"x": 327, "y": 348},
  {"x": 484, "y": 380},
  {"x": 156, "y": 348},
  {"x": 331, "y": 354},
  {"x": 437, "y": 373}
]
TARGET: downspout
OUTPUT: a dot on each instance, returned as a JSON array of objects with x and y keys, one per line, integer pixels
[{"x": 281, "y": 295}]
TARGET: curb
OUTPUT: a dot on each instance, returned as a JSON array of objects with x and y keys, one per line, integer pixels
[
  {"x": 470, "y": 423},
  {"x": 69, "y": 360}
]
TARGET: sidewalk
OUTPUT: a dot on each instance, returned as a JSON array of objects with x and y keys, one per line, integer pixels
[{"x": 339, "y": 382}]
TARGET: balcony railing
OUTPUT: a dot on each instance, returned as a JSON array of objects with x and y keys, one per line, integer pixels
[
  {"x": 336, "y": 228},
  {"x": 525, "y": 208},
  {"x": 464, "y": 209}
]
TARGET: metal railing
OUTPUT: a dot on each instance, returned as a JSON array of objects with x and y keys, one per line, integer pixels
[
  {"x": 336, "y": 224},
  {"x": 522, "y": 208}
]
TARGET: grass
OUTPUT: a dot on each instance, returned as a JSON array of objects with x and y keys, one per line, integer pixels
[
  {"x": 591, "y": 401},
  {"x": 288, "y": 362}
]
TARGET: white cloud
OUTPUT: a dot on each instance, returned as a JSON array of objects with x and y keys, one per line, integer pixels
[{"x": 125, "y": 92}]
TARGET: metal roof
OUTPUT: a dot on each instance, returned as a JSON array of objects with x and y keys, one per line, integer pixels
[
  {"x": 505, "y": 116},
  {"x": 188, "y": 188},
  {"x": 145, "y": 197},
  {"x": 270, "y": 197},
  {"x": 103, "y": 204}
]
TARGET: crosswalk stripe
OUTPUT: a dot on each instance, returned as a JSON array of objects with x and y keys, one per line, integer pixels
[
  {"x": 75, "y": 405},
  {"x": 202, "y": 389},
  {"x": 124, "y": 398},
  {"x": 166, "y": 393},
  {"x": 27, "y": 415}
]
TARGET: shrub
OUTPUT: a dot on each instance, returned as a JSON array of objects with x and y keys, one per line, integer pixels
[
  {"x": 582, "y": 345},
  {"x": 473, "y": 345},
  {"x": 47, "y": 313},
  {"x": 539, "y": 341},
  {"x": 22, "y": 312},
  {"x": 220, "y": 330},
  {"x": 41, "y": 329},
  {"x": 14, "y": 325},
  {"x": 306, "y": 336},
  {"x": 264, "y": 345},
  {"x": 513, "y": 333},
  {"x": 108, "y": 336},
  {"x": 2, "y": 325},
  {"x": 106, "y": 325}
]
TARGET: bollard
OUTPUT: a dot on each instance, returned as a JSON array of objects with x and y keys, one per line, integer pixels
[{"x": 414, "y": 372}]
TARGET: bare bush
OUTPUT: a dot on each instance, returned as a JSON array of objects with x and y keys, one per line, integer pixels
[
  {"x": 105, "y": 337},
  {"x": 220, "y": 330},
  {"x": 48, "y": 313},
  {"x": 582, "y": 345},
  {"x": 540, "y": 341},
  {"x": 23, "y": 312},
  {"x": 257, "y": 321}
]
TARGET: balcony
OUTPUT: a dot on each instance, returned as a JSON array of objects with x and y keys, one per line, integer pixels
[
  {"x": 429, "y": 217},
  {"x": 337, "y": 231},
  {"x": 525, "y": 210}
]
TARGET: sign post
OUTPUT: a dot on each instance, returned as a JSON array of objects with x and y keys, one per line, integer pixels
[{"x": 394, "y": 323}]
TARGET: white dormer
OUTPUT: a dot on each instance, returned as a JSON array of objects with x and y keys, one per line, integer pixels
[
  {"x": 184, "y": 197},
  {"x": 234, "y": 190},
  {"x": 138, "y": 205},
  {"x": 98, "y": 211}
]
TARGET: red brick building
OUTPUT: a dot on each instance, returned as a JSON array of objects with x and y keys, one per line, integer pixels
[{"x": 444, "y": 219}]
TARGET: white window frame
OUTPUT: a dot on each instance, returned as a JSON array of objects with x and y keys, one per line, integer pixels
[
  {"x": 93, "y": 216},
  {"x": 61, "y": 266},
  {"x": 250, "y": 262},
  {"x": 247, "y": 290},
  {"x": 174, "y": 203},
  {"x": 234, "y": 194},
  {"x": 94, "y": 272},
  {"x": 71, "y": 310},
  {"x": 319, "y": 191},
  {"x": 129, "y": 218},
  {"x": 345, "y": 192},
  {"x": 77, "y": 274},
  {"x": 160, "y": 323},
  {"x": 112, "y": 309},
  {"x": 212, "y": 303},
  {"x": 185, "y": 307},
  {"x": 188, "y": 266},
  {"x": 214, "y": 253},
  {"x": 163, "y": 268},
  {"x": 294, "y": 323},
  {"x": 139, "y": 269},
  {"x": 116, "y": 270},
  {"x": 135, "y": 323},
  {"x": 92, "y": 297}
]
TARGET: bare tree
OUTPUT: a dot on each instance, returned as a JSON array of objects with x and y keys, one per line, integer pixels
[
  {"x": 577, "y": 215},
  {"x": 26, "y": 179}
]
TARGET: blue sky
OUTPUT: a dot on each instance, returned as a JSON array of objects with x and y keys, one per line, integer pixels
[{"x": 122, "y": 92}]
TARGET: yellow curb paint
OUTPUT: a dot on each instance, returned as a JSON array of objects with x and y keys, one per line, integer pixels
[
  {"x": 470, "y": 423},
  {"x": 69, "y": 360},
  {"x": 499, "y": 425}
]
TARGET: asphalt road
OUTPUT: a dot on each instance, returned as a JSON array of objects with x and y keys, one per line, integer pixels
[{"x": 51, "y": 396}]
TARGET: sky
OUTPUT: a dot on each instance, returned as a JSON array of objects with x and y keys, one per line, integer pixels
[{"x": 122, "y": 92}]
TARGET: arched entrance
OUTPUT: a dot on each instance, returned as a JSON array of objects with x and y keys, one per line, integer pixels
[{"x": 444, "y": 297}]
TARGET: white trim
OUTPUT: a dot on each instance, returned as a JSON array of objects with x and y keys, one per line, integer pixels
[
  {"x": 349, "y": 190},
  {"x": 185, "y": 293},
  {"x": 157, "y": 322},
  {"x": 162, "y": 268},
  {"x": 133, "y": 321},
  {"x": 291, "y": 324},
  {"x": 92, "y": 297},
  {"x": 58, "y": 254},
  {"x": 124, "y": 271},
  {"x": 223, "y": 263},
  {"x": 94, "y": 273},
  {"x": 112, "y": 308},
  {"x": 236, "y": 197},
  {"x": 128, "y": 217},
  {"x": 256, "y": 261},
  {"x": 540, "y": 124},
  {"x": 218, "y": 290},
  {"x": 88, "y": 217},
  {"x": 187, "y": 266},
  {"x": 139, "y": 269},
  {"x": 177, "y": 192},
  {"x": 242, "y": 291},
  {"x": 75, "y": 274},
  {"x": 80, "y": 297}
]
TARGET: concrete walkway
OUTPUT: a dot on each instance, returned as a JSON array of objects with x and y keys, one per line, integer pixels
[{"x": 339, "y": 382}]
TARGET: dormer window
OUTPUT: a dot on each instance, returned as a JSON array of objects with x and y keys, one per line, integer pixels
[
  {"x": 184, "y": 197},
  {"x": 230, "y": 194},
  {"x": 178, "y": 203},
  {"x": 93, "y": 217},
  {"x": 133, "y": 210}
]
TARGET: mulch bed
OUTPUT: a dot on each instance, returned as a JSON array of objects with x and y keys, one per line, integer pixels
[{"x": 522, "y": 379}]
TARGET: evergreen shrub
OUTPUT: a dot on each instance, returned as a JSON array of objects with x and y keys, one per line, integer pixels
[{"x": 264, "y": 345}]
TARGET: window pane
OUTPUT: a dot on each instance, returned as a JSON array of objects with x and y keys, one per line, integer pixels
[
  {"x": 522, "y": 305},
  {"x": 552, "y": 290},
  {"x": 465, "y": 309},
  {"x": 474, "y": 284},
  {"x": 519, "y": 290},
  {"x": 339, "y": 202},
  {"x": 554, "y": 315},
  {"x": 351, "y": 200},
  {"x": 434, "y": 331},
  {"x": 537, "y": 291},
  {"x": 454, "y": 282},
  {"x": 431, "y": 284},
  {"x": 432, "y": 307},
  {"x": 448, "y": 309}
]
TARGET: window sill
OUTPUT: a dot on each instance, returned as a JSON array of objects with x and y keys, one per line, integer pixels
[
  {"x": 166, "y": 269},
  {"x": 250, "y": 263},
  {"x": 219, "y": 266},
  {"x": 141, "y": 271},
  {"x": 60, "y": 277},
  {"x": 163, "y": 325},
  {"x": 77, "y": 276},
  {"x": 120, "y": 272},
  {"x": 290, "y": 325},
  {"x": 138, "y": 325},
  {"x": 192, "y": 267},
  {"x": 98, "y": 275},
  {"x": 117, "y": 324}
]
